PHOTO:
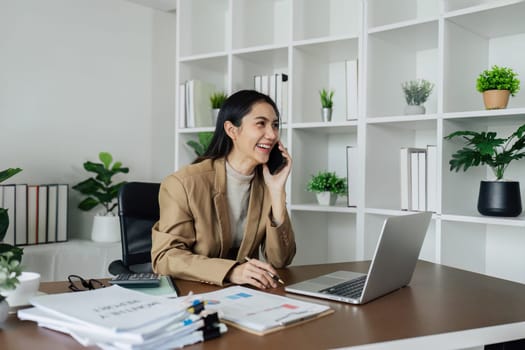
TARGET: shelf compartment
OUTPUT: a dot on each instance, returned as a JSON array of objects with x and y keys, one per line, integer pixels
[
  {"x": 385, "y": 12},
  {"x": 260, "y": 23},
  {"x": 475, "y": 42},
  {"x": 324, "y": 237},
  {"x": 318, "y": 66},
  {"x": 263, "y": 62},
  {"x": 461, "y": 189},
  {"x": 396, "y": 56},
  {"x": 212, "y": 70},
  {"x": 317, "y": 19},
  {"x": 329, "y": 151},
  {"x": 199, "y": 16}
]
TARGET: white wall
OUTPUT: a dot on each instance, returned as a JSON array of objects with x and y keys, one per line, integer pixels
[{"x": 82, "y": 76}]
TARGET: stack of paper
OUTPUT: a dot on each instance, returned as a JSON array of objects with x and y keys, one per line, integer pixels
[{"x": 120, "y": 318}]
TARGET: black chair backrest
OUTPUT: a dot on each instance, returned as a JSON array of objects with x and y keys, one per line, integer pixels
[{"x": 138, "y": 204}]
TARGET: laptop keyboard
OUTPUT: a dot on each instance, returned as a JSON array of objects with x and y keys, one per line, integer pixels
[{"x": 349, "y": 289}]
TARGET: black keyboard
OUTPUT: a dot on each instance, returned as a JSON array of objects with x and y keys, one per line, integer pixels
[
  {"x": 349, "y": 289},
  {"x": 144, "y": 279}
]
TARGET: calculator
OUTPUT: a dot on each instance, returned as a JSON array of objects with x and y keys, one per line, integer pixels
[{"x": 143, "y": 279}]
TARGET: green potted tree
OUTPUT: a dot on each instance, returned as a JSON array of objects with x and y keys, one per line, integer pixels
[
  {"x": 416, "y": 93},
  {"x": 217, "y": 100},
  {"x": 497, "y": 84},
  {"x": 327, "y": 103},
  {"x": 101, "y": 191},
  {"x": 499, "y": 197},
  {"x": 327, "y": 186},
  {"x": 10, "y": 256}
]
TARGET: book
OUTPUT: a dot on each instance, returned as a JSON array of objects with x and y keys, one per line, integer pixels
[
  {"x": 422, "y": 180},
  {"x": 281, "y": 96},
  {"x": 8, "y": 202},
  {"x": 258, "y": 312},
  {"x": 408, "y": 175},
  {"x": 21, "y": 215},
  {"x": 199, "y": 106},
  {"x": 351, "y": 75},
  {"x": 265, "y": 84},
  {"x": 32, "y": 214},
  {"x": 432, "y": 173},
  {"x": 52, "y": 206},
  {"x": 62, "y": 213},
  {"x": 352, "y": 172},
  {"x": 182, "y": 106},
  {"x": 257, "y": 85},
  {"x": 42, "y": 214}
]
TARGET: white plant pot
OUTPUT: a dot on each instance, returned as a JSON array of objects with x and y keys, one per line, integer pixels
[
  {"x": 326, "y": 198},
  {"x": 105, "y": 229},
  {"x": 214, "y": 115},
  {"x": 413, "y": 109},
  {"x": 27, "y": 287}
]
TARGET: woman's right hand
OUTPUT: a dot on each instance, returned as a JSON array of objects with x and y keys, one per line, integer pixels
[{"x": 255, "y": 273}]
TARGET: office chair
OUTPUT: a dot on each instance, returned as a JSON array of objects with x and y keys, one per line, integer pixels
[{"x": 138, "y": 209}]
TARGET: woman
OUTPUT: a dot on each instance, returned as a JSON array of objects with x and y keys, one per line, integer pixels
[{"x": 216, "y": 213}]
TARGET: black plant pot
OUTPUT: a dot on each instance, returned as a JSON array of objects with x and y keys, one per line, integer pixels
[{"x": 499, "y": 198}]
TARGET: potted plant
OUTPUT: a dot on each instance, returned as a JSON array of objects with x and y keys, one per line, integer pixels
[
  {"x": 327, "y": 102},
  {"x": 204, "y": 139},
  {"x": 327, "y": 185},
  {"x": 10, "y": 256},
  {"x": 497, "y": 84},
  {"x": 416, "y": 93},
  {"x": 217, "y": 100},
  {"x": 500, "y": 197},
  {"x": 100, "y": 190}
]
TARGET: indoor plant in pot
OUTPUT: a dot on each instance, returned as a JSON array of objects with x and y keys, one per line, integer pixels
[
  {"x": 10, "y": 256},
  {"x": 416, "y": 93},
  {"x": 327, "y": 102},
  {"x": 327, "y": 186},
  {"x": 499, "y": 197},
  {"x": 100, "y": 190},
  {"x": 497, "y": 84},
  {"x": 200, "y": 146},
  {"x": 217, "y": 100}
]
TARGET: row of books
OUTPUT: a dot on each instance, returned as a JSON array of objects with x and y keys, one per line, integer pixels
[
  {"x": 275, "y": 86},
  {"x": 194, "y": 104},
  {"x": 418, "y": 178},
  {"x": 37, "y": 213}
]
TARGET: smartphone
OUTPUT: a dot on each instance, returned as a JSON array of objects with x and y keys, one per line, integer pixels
[{"x": 276, "y": 161}]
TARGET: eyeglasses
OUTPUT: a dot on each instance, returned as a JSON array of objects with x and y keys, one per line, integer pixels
[{"x": 78, "y": 284}]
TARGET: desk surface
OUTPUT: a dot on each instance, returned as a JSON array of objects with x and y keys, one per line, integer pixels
[{"x": 439, "y": 299}]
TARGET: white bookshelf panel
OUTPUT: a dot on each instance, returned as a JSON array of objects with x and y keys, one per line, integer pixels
[
  {"x": 260, "y": 22},
  {"x": 475, "y": 42},
  {"x": 198, "y": 16},
  {"x": 318, "y": 66},
  {"x": 384, "y": 12},
  {"x": 505, "y": 258},
  {"x": 396, "y": 56},
  {"x": 265, "y": 62},
  {"x": 319, "y": 19},
  {"x": 383, "y": 144},
  {"x": 463, "y": 245},
  {"x": 212, "y": 70},
  {"x": 317, "y": 151},
  {"x": 324, "y": 237}
]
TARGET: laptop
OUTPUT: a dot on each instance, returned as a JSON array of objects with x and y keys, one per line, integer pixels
[{"x": 392, "y": 266}]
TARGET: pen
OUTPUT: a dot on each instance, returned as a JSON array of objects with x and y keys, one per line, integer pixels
[{"x": 273, "y": 276}]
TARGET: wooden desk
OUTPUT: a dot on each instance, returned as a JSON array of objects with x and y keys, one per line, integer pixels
[{"x": 438, "y": 300}]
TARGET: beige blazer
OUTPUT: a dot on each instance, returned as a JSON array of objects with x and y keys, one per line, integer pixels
[{"x": 193, "y": 236}]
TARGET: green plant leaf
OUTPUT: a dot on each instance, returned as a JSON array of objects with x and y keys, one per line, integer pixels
[
  {"x": 4, "y": 222},
  {"x": 105, "y": 158},
  {"x": 88, "y": 186},
  {"x": 6, "y": 174},
  {"x": 88, "y": 204}
]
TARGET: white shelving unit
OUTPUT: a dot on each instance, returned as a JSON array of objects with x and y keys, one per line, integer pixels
[{"x": 449, "y": 42}]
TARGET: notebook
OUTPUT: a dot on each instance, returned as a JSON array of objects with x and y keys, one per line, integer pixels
[{"x": 391, "y": 268}]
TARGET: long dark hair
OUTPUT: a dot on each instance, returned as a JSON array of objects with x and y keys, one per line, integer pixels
[{"x": 234, "y": 109}]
